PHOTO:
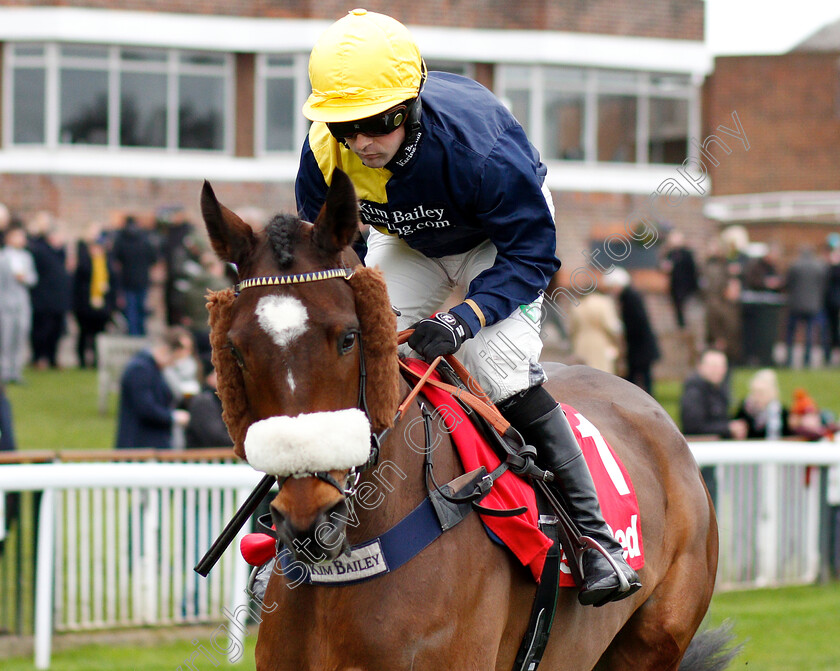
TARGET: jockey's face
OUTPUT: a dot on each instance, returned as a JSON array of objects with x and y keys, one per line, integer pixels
[{"x": 376, "y": 151}]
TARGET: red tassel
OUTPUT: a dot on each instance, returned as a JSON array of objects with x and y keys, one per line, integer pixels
[{"x": 257, "y": 548}]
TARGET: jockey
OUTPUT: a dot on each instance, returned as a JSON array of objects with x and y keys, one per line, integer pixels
[{"x": 454, "y": 195}]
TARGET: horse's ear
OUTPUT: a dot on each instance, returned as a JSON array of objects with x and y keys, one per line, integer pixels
[
  {"x": 338, "y": 221},
  {"x": 232, "y": 239}
]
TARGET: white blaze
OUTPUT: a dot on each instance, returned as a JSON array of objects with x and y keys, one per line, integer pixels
[{"x": 282, "y": 317}]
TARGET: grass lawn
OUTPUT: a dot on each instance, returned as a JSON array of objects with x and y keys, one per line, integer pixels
[
  {"x": 58, "y": 409},
  {"x": 788, "y": 629},
  {"x": 823, "y": 385},
  {"x": 170, "y": 656}
]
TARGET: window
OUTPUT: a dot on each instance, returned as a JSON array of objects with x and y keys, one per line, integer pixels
[
  {"x": 143, "y": 98},
  {"x": 565, "y": 96},
  {"x": 83, "y": 95},
  {"x": 282, "y": 86},
  {"x": 456, "y": 68},
  {"x": 92, "y": 95},
  {"x": 668, "y": 130},
  {"x": 617, "y": 128},
  {"x": 281, "y": 103},
  {"x": 599, "y": 115},
  {"x": 28, "y": 103}
]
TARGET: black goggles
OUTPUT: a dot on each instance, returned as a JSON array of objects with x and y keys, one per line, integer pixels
[{"x": 380, "y": 124}]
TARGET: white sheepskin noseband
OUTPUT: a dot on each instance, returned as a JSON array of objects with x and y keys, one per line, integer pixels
[{"x": 308, "y": 443}]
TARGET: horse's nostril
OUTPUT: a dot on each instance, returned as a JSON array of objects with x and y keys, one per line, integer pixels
[
  {"x": 322, "y": 540},
  {"x": 277, "y": 518},
  {"x": 282, "y": 529}
]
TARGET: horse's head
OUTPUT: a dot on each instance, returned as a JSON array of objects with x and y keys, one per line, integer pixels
[{"x": 305, "y": 351}]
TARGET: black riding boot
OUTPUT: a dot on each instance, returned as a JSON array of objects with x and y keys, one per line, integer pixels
[{"x": 558, "y": 450}]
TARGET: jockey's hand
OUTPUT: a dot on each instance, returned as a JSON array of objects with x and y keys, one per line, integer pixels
[{"x": 439, "y": 335}]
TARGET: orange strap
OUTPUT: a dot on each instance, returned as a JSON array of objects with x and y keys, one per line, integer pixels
[{"x": 478, "y": 401}]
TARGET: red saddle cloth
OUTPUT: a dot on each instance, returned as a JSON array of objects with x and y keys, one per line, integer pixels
[{"x": 521, "y": 534}]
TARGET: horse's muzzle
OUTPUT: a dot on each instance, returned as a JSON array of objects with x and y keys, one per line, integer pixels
[{"x": 323, "y": 540}]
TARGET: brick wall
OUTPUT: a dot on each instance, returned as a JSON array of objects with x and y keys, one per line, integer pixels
[
  {"x": 78, "y": 200},
  {"x": 673, "y": 19},
  {"x": 582, "y": 217},
  {"x": 789, "y": 106},
  {"x": 245, "y": 77}
]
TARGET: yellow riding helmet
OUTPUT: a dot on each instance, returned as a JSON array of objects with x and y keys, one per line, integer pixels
[{"x": 363, "y": 64}]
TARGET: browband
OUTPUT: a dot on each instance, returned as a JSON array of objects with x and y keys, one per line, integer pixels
[{"x": 279, "y": 280}]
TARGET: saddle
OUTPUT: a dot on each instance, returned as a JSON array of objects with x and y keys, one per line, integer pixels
[
  {"x": 514, "y": 455},
  {"x": 510, "y": 448},
  {"x": 565, "y": 542}
]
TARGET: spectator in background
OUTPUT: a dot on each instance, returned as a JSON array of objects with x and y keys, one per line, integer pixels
[
  {"x": 683, "y": 282},
  {"x": 182, "y": 374},
  {"x": 206, "y": 427},
  {"x": 704, "y": 405},
  {"x": 147, "y": 414},
  {"x": 721, "y": 296},
  {"x": 209, "y": 275},
  {"x": 642, "y": 348},
  {"x": 7, "y": 433},
  {"x": 807, "y": 420},
  {"x": 94, "y": 294},
  {"x": 762, "y": 408},
  {"x": 135, "y": 254},
  {"x": 596, "y": 330},
  {"x": 8, "y": 502},
  {"x": 806, "y": 283},
  {"x": 761, "y": 271},
  {"x": 5, "y": 222},
  {"x": 179, "y": 257},
  {"x": 52, "y": 294},
  {"x": 832, "y": 296},
  {"x": 17, "y": 275}
]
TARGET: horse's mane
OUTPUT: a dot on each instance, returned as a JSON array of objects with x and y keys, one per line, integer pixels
[
  {"x": 379, "y": 340},
  {"x": 282, "y": 232}
]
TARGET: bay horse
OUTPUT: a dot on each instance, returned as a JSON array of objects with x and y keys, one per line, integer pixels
[{"x": 306, "y": 354}]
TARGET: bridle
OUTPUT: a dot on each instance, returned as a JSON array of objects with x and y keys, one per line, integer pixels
[
  {"x": 520, "y": 460},
  {"x": 267, "y": 483},
  {"x": 354, "y": 475}
]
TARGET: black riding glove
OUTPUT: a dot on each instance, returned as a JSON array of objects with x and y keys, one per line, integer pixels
[{"x": 442, "y": 334}]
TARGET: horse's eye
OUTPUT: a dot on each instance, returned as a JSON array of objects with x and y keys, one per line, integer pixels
[
  {"x": 237, "y": 356},
  {"x": 347, "y": 341}
]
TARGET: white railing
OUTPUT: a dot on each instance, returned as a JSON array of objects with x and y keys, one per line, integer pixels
[
  {"x": 771, "y": 499},
  {"x": 117, "y": 541}
]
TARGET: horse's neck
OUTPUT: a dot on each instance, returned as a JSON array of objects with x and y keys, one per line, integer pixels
[{"x": 397, "y": 483}]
